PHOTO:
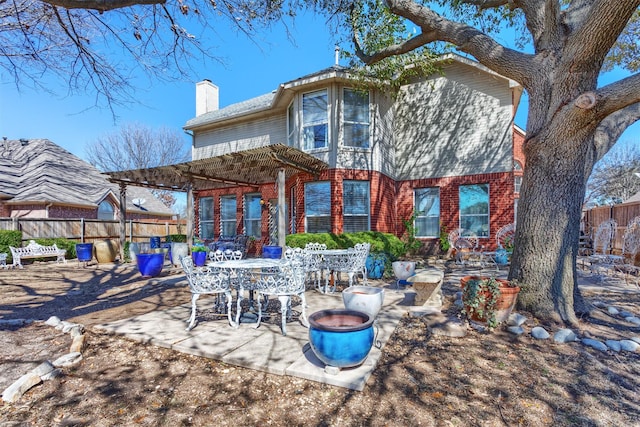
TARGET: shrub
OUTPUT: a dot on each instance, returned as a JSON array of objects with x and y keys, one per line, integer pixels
[
  {"x": 380, "y": 242},
  {"x": 10, "y": 238},
  {"x": 176, "y": 238}
]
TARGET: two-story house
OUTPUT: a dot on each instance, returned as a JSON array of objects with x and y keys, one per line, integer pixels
[{"x": 442, "y": 149}]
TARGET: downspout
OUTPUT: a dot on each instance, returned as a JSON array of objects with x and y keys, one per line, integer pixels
[{"x": 47, "y": 209}]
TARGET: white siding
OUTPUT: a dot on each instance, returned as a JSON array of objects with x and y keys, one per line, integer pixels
[
  {"x": 229, "y": 139},
  {"x": 451, "y": 125}
]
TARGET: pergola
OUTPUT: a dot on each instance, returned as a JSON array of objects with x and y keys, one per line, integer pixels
[{"x": 251, "y": 168}]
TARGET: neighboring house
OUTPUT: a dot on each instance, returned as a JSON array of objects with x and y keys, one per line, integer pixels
[
  {"x": 39, "y": 179},
  {"x": 445, "y": 149}
]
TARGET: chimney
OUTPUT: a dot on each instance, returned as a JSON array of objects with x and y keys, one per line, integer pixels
[
  {"x": 337, "y": 55},
  {"x": 206, "y": 97}
]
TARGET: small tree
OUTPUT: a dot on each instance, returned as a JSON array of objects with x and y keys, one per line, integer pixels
[
  {"x": 136, "y": 146},
  {"x": 614, "y": 177}
]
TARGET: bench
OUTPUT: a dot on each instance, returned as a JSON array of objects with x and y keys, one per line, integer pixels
[{"x": 35, "y": 250}]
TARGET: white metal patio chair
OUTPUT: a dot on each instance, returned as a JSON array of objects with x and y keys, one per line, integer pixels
[
  {"x": 630, "y": 249},
  {"x": 465, "y": 243},
  {"x": 288, "y": 281},
  {"x": 314, "y": 264},
  {"x": 204, "y": 281},
  {"x": 353, "y": 262},
  {"x": 504, "y": 241},
  {"x": 603, "y": 238}
]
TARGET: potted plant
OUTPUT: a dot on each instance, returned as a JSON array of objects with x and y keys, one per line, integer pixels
[
  {"x": 376, "y": 264},
  {"x": 199, "y": 255},
  {"x": 487, "y": 299}
]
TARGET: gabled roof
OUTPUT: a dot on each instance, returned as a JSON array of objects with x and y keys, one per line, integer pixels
[
  {"x": 270, "y": 100},
  {"x": 38, "y": 171}
]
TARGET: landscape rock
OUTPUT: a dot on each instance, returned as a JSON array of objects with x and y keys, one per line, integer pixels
[
  {"x": 53, "y": 321},
  {"x": 78, "y": 344},
  {"x": 516, "y": 319},
  {"x": 628, "y": 345},
  {"x": 599, "y": 304},
  {"x": 564, "y": 336},
  {"x": 20, "y": 387},
  {"x": 612, "y": 311},
  {"x": 625, "y": 314},
  {"x": 613, "y": 345},
  {"x": 76, "y": 331},
  {"x": 633, "y": 319},
  {"x": 68, "y": 359},
  {"x": 516, "y": 330},
  {"x": 43, "y": 369},
  {"x": 636, "y": 339},
  {"x": 539, "y": 333},
  {"x": 598, "y": 345}
]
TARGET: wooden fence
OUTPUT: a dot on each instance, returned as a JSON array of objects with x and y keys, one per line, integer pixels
[
  {"x": 90, "y": 230},
  {"x": 622, "y": 214}
]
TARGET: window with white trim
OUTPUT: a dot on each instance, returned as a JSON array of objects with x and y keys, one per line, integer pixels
[
  {"x": 291, "y": 125},
  {"x": 315, "y": 120},
  {"x": 317, "y": 207},
  {"x": 427, "y": 207},
  {"x": 355, "y": 201},
  {"x": 474, "y": 208},
  {"x": 355, "y": 118},
  {"x": 206, "y": 218},
  {"x": 228, "y": 215},
  {"x": 252, "y": 215}
]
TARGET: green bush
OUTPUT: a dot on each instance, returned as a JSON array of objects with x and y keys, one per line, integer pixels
[
  {"x": 10, "y": 238},
  {"x": 69, "y": 245},
  {"x": 127, "y": 252},
  {"x": 176, "y": 238},
  {"x": 380, "y": 242}
]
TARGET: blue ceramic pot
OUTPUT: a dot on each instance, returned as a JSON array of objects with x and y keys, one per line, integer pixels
[
  {"x": 84, "y": 251},
  {"x": 154, "y": 242},
  {"x": 272, "y": 252},
  {"x": 199, "y": 258},
  {"x": 375, "y": 265},
  {"x": 150, "y": 265},
  {"x": 341, "y": 338}
]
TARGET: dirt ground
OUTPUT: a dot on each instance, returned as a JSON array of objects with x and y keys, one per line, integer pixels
[{"x": 480, "y": 380}]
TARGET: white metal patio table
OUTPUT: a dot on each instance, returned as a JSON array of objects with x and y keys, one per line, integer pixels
[
  {"x": 331, "y": 258},
  {"x": 243, "y": 270}
]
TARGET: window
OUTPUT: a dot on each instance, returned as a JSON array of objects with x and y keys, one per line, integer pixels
[
  {"x": 206, "y": 218},
  {"x": 355, "y": 198},
  {"x": 427, "y": 206},
  {"x": 474, "y": 208},
  {"x": 356, "y": 118},
  {"x": 317, "y": 207},
  {"x": 517, "y": 183},
  {"x": 252, "y": 215},
  {"x": 105, "y": 210},
  {"x": 291, "y": 126},
  {"x": 228, "y": 215},
  {"x": 315, "y": 120}
]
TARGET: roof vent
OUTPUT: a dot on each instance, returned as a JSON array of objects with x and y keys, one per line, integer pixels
[{"x": 24, "y": 141}]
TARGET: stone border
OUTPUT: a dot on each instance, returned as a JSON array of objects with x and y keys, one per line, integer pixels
[{"x": 47, "y": 370}]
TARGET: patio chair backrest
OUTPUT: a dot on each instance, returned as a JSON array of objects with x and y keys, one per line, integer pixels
[
  {"x": 505, "y": 235},
  {"x": 203, "y": 280},
  {"x": 604, "y": 236},
  {"x": 631, "y": 242},
  {"x": 463, "y": 239}
]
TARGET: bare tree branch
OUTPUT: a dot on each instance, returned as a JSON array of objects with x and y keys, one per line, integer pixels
[
  {"x": 609, "y": 130},
  {"x": 102, "y": 5}
]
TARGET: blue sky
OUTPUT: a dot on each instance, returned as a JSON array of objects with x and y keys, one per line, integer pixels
[{"x": 251, "y": 69}]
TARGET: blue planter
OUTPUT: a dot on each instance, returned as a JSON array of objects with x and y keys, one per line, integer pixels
[
  {"x": 274, "y": 252},
  {"x": 199, "y": 258},
  {"x": 84, "y": 251},
  {"x": 154, "y": 242},
  {"x": 150, "y": 265},
  {"x": 341, "y": 338},
  {"x": 375, "y": 265},
  {"x": 501, "y": 257}
]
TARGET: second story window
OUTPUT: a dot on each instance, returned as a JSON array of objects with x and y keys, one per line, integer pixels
[
  {"x": 291, "y": 126},
  {"x": 315, "y": 120},
  {"x": 105, "y": 210},
  {"x": 356, "y": 118}
]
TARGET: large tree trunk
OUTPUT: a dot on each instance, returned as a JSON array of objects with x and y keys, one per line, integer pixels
[{"x": 548, "y": 231}]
